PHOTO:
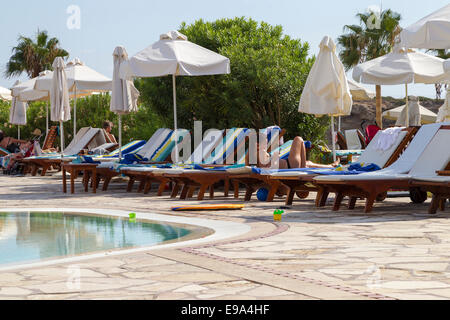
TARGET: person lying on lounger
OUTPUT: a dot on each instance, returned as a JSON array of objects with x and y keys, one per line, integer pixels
[
  {"x": 296, "y": 159},
  {"x": 11, "y": 144}
]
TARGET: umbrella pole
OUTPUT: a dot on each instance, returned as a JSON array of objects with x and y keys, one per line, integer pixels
[
  {"x": 407, "y": 106},
  {"x": 332, "y": 138},
  {"x": 339, "y": 124},
  {"x": 61, "y": 132},
  {"x": 46, "y": 120},
  {"x": 120, "y": 137},
  {"x": 18, "y": 132},
  {"x": 175, "y": 123},
  {"x": 75, "y": 114}
]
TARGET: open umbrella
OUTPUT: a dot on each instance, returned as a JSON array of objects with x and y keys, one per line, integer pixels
[
  {"x": 5, "y": 94},
  {"x": 124, "y": 94},
  {"x": 59, "y": 97},
  {"x": 326, "y": 91},
  {"x": 174, "y": 55},
  {"x": 402, "y": 66},
  {"x": 26, "y": 92},
  {"x": 81, "y": 81},
  {"x": 430, "y": 32},
  {"x": 418, "y": 114},
  {"x": 18, "y": 112}
]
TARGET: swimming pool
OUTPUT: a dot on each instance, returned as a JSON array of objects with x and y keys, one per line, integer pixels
[{"x": 30, "y": 236}]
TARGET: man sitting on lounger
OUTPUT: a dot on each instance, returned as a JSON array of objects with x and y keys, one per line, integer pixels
[
  {"x": 107, "y": 127},
  {"x": 296, "y": 159}
]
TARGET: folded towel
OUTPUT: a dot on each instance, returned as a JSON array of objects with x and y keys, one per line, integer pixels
[
  {"x": 132, "y": 158},
  {"x": 387, "y": 138},
  {"x": 84, "y": 159}
]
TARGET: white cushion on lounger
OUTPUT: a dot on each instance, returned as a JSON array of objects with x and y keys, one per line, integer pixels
[
  {"x": 240, "y": 170},
  {"x": 290, "y": 174},
  {"x": 82, "y": 143},
  {"x": 372, "y": 155}
]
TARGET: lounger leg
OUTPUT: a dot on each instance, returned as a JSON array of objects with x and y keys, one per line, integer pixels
[
  {"x": 191, "y": 192},
  {"x": 184, "y": 192},
  {"x": 211, "y": 191},
  {"x": 148, "y": 186},
  {"x": 226, "y": 188},
  {"x": 322, "y": 196},
  {"x": 236, "y": 189},
  {"x": 44, "y": 170},
  {"x": 106, "y": 183},
  {"x": 290, "y": 197},
  {"x": 34, "y": 170},
  {"x": 141, "y": 185},
  {"x": 338, "y": 201},
  {"x": 442, "y": 203},
  {"x": 432, "y": 209},
  {"x": 130, "y": 184},
  {"x": 369, "y": 202},
  {"x": 64, "y": 180},
  {"x": 248, "y": 193},
  {"x": 73, "y": 173},
  {"x": 86, "y": 180},
  {"x": 352, "y": 203},
  {"x": 175, "y": 190},
  {"x": 94, "y": 178},
  {"x": 201, "y": 193},
  {"x": 273, "y": 190},
  {"x": 162, "y": 187}
]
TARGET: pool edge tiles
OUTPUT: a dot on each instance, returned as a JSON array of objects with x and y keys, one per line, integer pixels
[{"x": 222, "y": 230}]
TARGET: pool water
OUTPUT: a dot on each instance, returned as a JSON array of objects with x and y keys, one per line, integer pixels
[{"x": 35, "y": 236}]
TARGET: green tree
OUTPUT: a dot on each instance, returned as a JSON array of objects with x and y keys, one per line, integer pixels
[
  {"x": 268, "y": 72},
  {"x": 374, "y": 37},
  {"x": 34, "y": 56}
]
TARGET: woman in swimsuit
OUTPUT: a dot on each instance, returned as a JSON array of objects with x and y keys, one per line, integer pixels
[{"x": 5, "y": 142}]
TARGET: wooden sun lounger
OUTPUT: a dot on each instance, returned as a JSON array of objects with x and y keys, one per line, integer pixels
[
  {"x": 302, "y": 185},
  {"x": 371, "y": 189},
  {"x": 49, "y": 142}
]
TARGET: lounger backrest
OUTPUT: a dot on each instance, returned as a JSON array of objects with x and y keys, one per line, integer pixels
[
  {"x": 164, "y": 151},
  {"x": 435, "y": 157},
  {"x": 352, "y": 139},
  {"x": 78, "y": 137},
  {"x": 224, "y": 153},
  {"x": 415, "y": 148},
  {"x": 158, "y": 138},
  {"x": 82, "y": 143},
  {"x": 98, "y": 140},
  {"x": 284, "y": 150},
  {"x": 129, "y": 148},
  {"x": 380, "y": 157},
  {"x": 210, "y": 141}
]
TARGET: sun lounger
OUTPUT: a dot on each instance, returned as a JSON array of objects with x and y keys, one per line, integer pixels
[
  {"x": 425, "y": 155},
  {"x": 86, "y": 138},
  {"x": 50, "y": 139}
]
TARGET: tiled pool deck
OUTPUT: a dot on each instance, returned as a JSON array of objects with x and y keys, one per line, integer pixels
[{"x": 397, "y": 252}]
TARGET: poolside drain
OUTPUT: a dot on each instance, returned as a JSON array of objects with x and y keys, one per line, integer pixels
[{"x": 280, "y": 228}]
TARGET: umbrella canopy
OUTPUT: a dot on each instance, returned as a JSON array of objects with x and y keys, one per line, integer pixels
[
  {"x": 27, "y": 92},
  {"x": 430, "y": 32},
  {"x": 418, "y": 114},
  {"x": 402, "y": 66},
  {"x": 5, "y": 94},
  {"x": 18, "y": 111},
  {"x": 174, "y": 55},
  {"x": 124, "y": 94},
  {"x": 327, "y": 90},
  {"x": 358, "y": 92},
  {"x": 81, "y": 81}
]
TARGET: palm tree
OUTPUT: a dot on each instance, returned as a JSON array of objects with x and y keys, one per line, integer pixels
[
  {"x": 34, "y": 57},
  {"x": 374, "y": 37}
]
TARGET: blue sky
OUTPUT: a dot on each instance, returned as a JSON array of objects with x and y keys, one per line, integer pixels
[{"x": 136, "y": 24}]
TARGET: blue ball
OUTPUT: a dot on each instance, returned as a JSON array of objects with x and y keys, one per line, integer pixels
[{"x": 262, "y": 194}]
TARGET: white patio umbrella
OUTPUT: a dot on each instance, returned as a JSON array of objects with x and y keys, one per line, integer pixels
[
  {"x": 5, "y": 94},
  {"x": 124, "y": 94},
  {"x": 18, "y": 112},
  {"x": 358, "y": 92},
  {"x": 59, "y": 97},
  {"x": 402, "y": 66},
  {"x": 174, "y": 55},
  {"x": 81, "y": 81},
  {"x": 430, "y": 32},
  {"x": 417, "y": 113},
  {"x": 326, "y": 91},
  {"x": 26, "y": 92},
  {"x": 444, "y": 111}
]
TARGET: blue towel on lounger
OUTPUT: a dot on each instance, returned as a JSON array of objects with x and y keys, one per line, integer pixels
[
  {"x": 132, "y": 158},
  {"x": 85, "y": 159}
]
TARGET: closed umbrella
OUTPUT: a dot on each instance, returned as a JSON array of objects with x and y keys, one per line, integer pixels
[
  {"x": 81, "y": 81},
  {"x": 444, "y": 111},
  {"x": 326, "y": 91},
  {"x": 174, "y": 55},
  {"x": 124, "y": 94},
  {"x": 418, "y": 114},
  {"x": 402, "y": 66},
  {"x": 5, "y": 94},
  {"x": 18, "y": 112},
  {"x": 59, "y": 97}
]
